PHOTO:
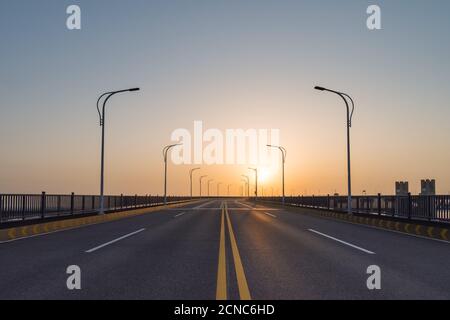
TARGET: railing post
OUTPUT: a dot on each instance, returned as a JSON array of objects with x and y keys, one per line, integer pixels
[
  {"x": 409, "y": 205},
  {"x": 23, "y": 207},
  {"x": 72, "y": 202},
  {"x": 430, "y": 207},
  {"x": 43, "y": 203},
  {"x": 396, "y": 206},
  {"x": 83, "y": 203},
  {"x": 135, "y": 200},
  {"x": 121, "y": 201},
  {"x": 379, "y": 204},
  {"x": 328, "y": 201},
  {"x": 357, "y": 203},
  {"x": 58, "y": 204},
  {"x": 1, "y": 208},
  {"x": 93, "y": 203}
]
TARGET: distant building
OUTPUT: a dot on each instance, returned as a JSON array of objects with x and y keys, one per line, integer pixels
[
  {"x": 428, "y": 187},
  {"x": 401, "y": 188}
]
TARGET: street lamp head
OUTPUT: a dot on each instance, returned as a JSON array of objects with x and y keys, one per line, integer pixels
[
  {"x": 134, "y": 89},
  {"x": 170, "y": 146},
  {"x": 167, "y": 148},
  {"x": 320, "y": 88}
]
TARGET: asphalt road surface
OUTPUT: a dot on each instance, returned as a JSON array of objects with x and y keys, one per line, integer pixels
[{"x": 225, "y": 249}]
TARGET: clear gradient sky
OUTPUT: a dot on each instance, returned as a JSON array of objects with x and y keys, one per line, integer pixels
[{"x": 232, "y": 64}]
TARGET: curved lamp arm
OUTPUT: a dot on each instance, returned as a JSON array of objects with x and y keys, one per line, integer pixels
[
  {"x": 353, "y": 107},
  {"x": 98, "y": 109},
  {"x": 110, "y": 94},
  {"x": 344, "y": 96},
  {"x": 167, "y": 148}
]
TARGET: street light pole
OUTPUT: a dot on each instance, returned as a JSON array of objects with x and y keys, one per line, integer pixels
[
  {"x": 247, "y": 180},
  {"x": 256, "y": 181},
  {"x": 201, "y": 178},
  {"x": 228, "y": 190},
  {"x": 244, "y": 187},
  {"x": 283, "y": 157},
  {"x": 218, "y": 188},
  {"x": 165, "y": 151},
  {"x": 102, "y": 124},
  {"x": 344, "y": 97},
  {"x": 190, "y": 177},
  {"x": 209, "y": 182}
]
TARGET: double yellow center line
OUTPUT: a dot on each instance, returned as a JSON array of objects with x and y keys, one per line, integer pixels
[{"x": 221, "y": 292}]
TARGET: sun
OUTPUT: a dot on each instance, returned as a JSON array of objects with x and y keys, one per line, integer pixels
[{"x": 264, "y": 174}]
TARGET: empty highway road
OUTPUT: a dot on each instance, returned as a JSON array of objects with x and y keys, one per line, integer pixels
[{"x": 225, "y": 249}]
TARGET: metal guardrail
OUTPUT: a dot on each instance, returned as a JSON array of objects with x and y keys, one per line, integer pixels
[
  {"x": 430, "y": 208},
  {"x": 17, "y": 207}
]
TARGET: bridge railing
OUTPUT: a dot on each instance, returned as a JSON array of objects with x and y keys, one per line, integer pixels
[
  {"x": 16, "y": 207},
  {"x": 432, "y": 208}
]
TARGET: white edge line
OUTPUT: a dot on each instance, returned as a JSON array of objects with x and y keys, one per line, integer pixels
[
  {"x": 243, "y": 204},
  {"x": 340, "y": 241},
  {"x": 203, "y": 204},
  {"x": 234, "y": 208},
  {"x": 398, "y": 232},
  {"x": 114, "y": 241},
  {"x": 383, "y": 229},
  {"x": 66, "y": 229},
  {"x": 269, "y": 214},
  {"x": 179, "y": 215},
  {"x": 48, "y": 233}
]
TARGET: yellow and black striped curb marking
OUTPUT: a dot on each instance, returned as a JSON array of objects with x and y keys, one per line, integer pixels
[
  {"x": 439, "y": 233},
  {"x": 47, "y": 227},
  {"x": 413, "y": 228}
]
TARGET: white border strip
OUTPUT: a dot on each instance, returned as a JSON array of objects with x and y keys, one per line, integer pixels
[
  {"x": 114, "y": 241},
  {"x": 179, "y": 215},
  {"x": 340, "y": 241},
  {"x": 271, "y": 215}
]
